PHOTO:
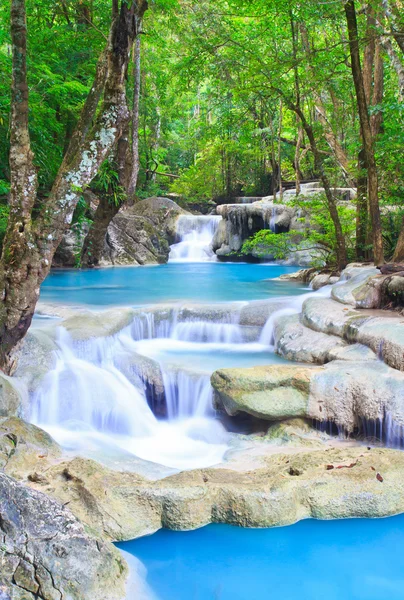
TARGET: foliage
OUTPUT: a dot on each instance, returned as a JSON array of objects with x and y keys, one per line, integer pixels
[
  {"x": 107, "y": 183},
  {"x": 3, "y": 222},
  {"x": 318, "y": 234}
]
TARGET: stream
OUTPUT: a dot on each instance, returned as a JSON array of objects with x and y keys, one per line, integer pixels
[{"x": 94, "y": 403}]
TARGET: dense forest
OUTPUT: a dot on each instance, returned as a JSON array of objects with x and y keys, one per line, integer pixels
[{"x": 204, "y": 101}]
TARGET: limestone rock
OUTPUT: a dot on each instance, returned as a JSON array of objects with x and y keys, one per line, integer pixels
[
  {"x": 362, "y": 288},
  {"x": 133, "y": 240},
  {"x": 142, "y": 234},
  {"x": 343, "y": 392},
  {"x": 87, "y": 325},
  {"x": 296, "y": 342},
  {"x": 277, "y": 489},
  {"x": 35, "y": 358},
  {"x": 46, "y": 554},
  {"x": 25, "y": 447},
  {"x": 10, "y": 398},
  {"x": 270, "y": 392},
  {"x": 348, "y": 392},
  {"x": 323, "y": 279}
]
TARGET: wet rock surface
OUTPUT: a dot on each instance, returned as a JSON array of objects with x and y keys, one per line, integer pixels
[{"x": 46, "y": 554}]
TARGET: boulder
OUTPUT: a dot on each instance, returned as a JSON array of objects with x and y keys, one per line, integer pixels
[
  {"x": 35, "y": 357},
  {"x": 46, "y": 553},
  {"x": 363, "y": 287},
  {"x": 87, "y": 325},
  {"x": 133, "y": 240},
  {"x": 349, "y": 393},
  {"x": 384, "y": 335},
  {"x": 25, "y": 447},
  {"x": 323, "y": 279},
  {"x": 142, "y": 234},
  {"x": 269, "y": 392},
  {"x": 296, "y": 342},
  {"x": 162, "y": 213},
  {"x": 346, "y": 393}
]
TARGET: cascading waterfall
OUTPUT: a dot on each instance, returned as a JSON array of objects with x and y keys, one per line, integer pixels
[
  {"x": 87, "y": 400},
  {"x": 187, "y": 394},
  {"x": 195, "y": 234},
  {"x": 294, "y": 307}
]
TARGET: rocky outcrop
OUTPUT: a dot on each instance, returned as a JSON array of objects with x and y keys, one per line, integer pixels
[
  {"x": 142, "y": 234},
  {"x": 137, "y": 235},
  {"x": 46, "y": 554},
  {"x": 268, "y": 392},
  {"x": 243, "y": 220},
  {"x": 260, "y": 487},
  {"x": 296, "y": 342},
  {"x": 343, "y": 392},
  {"x": 381, "y": 331}
]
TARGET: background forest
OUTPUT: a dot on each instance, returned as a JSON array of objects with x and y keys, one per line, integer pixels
[{"x": 224, "y": 89}]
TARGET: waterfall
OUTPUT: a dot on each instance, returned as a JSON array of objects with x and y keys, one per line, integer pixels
[
  {"x": 187, "y": 394},
  {"x": 195, "y": 234},
  {"x": 272, "y": 222},
  {"x": 87, "y": 401},
  {"x": 207, "y": 332}
]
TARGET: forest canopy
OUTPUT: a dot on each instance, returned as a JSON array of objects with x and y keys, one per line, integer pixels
[{"x": 204, "y": 101}]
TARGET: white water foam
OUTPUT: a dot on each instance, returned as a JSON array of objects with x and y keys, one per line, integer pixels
[
  {"x": 87, "y": 401},
  {"x": 195, "y": 234}
]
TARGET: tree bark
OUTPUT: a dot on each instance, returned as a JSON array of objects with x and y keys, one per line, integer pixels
[
  {"x": 135, "y": 121},
  {"x": 366, "y": 132},
  {"x": 399, "y": 251},
  {"x": 30, "y": 244}
]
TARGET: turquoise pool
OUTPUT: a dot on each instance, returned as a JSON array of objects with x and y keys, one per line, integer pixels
[
  {"x": 312, "y": 560},
  {"x": 198, "y": 282}
]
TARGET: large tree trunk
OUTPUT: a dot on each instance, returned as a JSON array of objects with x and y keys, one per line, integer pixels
[
  {"x": 128, "y": 168},
  {"x": 362, "y": 216},
  {"x": 30, "y": 244},
  {"x": 366, "y": 132},
  {"x": 16, "y": 276}
]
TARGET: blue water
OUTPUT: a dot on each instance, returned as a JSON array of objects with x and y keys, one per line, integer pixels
[
  {"x": 313, "y": 560},
  {"x": 198, "y": 282}
]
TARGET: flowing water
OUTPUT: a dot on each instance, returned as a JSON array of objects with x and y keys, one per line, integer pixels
[
  {"x": 195, "y": 235},
  {"x": 96, "y": 402}
]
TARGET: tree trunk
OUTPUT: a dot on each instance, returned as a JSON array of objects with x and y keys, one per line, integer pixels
[
  {"x": 362, "y": 220},
  {"x": 396, "y": 63},
  {"x": 391, "y": 13},
  {"x": 280, "y": 151},
  {"x": 30, "y": 244},
  {"x": 399, "y": 251},
  {"x": 366, "y": 132},
  {"x": 342, "y": 258},
  {"x": 135, "y": 122}
]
